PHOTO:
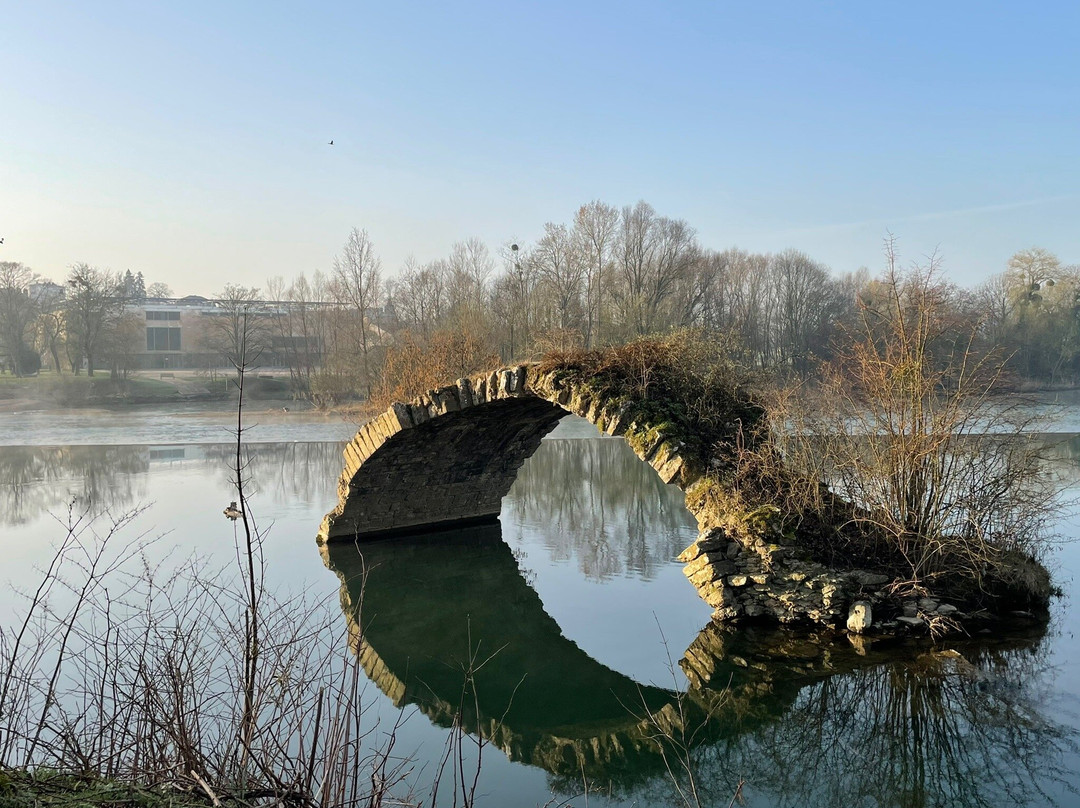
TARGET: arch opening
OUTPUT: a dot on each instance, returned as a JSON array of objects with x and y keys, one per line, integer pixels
[{"x": 448, "y": 459}]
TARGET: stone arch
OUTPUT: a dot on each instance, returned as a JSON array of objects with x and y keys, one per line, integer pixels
[{"x": 450, "y": 456}]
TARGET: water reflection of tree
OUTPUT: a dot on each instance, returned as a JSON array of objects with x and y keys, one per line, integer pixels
[
  {"x": 595, "y": 500},
  {"x": 933, "y": 730},
  {"x": 40, "y": 479},
  {"x": 284, "y": 472}
]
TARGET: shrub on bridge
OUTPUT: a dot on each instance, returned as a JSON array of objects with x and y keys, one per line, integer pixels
[
  {"x": 684, "y": 385},
  {"x": 416, "y": 364}
]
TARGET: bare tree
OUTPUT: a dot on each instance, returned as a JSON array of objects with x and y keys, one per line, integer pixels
[
  {"x": 653, "y": 253},
  {"x": 356, "y": 284},
  {"x": 300, "y": 333},
  {"x": 50, "y": 332},
  {"x": 120, "y": 343},
  {"x": 18, "y": 310},
  {"x": 469, "y": 267},
  {"x": 1030, "y": 271},
  {"x": 595, "y": 227},
  {"x": 419, "y": 296},
  {"x": 560, "y": 270},
  {"x": 512, "y": 299},
  {"x": 806, "y": 305},
  {"x": 159, "y": 289},
  {"x": 94, "y": 304},
  {"x": 238, "y": 328}
]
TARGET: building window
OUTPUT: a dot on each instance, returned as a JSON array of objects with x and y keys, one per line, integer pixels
[
  {"x": 162, "y": 339},
  {"x": 162, "y": 315}
]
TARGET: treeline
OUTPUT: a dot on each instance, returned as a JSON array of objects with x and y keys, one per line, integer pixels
[
  {"x": 87, "y": 320},
  {"x": 610, "y": 275},
  {"x": 606, "y": 276}
]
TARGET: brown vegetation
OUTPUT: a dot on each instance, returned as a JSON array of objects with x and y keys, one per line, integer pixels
[
  {"x": 904, "y": 450},
  {"x": 414, "y": 364}
]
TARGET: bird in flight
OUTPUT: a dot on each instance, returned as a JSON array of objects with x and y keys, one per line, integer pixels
[{"x": 331, "y": 143}]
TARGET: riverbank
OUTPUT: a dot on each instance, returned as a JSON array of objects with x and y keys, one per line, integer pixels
[
  {"x": 49, "y": 789},
  {"x": 51, "y": 391}
]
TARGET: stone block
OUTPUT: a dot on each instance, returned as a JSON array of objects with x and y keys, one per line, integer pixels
[
  {"x": 667, "y": 461},
  {"x": 419, "y": 413},
  {"x": 911, "y": 622},
  {"x": 448, "y": 396},
  {"x": 617, "y": 422},
  {"x": 860, "y": 617},
  {"x": 754, "y": 609},
  {"x": 367, "y": 440},
  {"x": 399, "y": 416},
  {"x": 703, "y": 576},
  {"x": 579, "y": 403},
  {"x": 715, "y": 539},
  {"x": 595, "y": 410},
  {"x": 710, "y": 560},
  {"x": 382, "y": 429},
  {"x": 354, "y": 456},
  {"x": 465, "y": 393},
  {"x": 690, "y": 553},
  {"x": 869, "y": 579},
  {"x": 478, "y": 386},
  {"x": 717, "y": 596}
]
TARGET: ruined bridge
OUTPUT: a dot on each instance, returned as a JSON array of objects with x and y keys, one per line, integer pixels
[
  {"x": 451, "y": 456},
  {"x": 448, "y": 458}
]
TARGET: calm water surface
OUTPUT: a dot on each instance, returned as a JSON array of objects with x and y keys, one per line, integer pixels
[{"x": 599, "y": 637}]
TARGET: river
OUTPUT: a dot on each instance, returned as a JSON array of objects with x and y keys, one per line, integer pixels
[{"x": 592, "y": 637}]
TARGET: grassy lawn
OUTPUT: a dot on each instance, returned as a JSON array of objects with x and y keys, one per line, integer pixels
[{"x": 145, "y": 386}]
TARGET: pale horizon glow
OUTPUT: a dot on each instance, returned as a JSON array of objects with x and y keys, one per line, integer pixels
[{"x": 190, "y": 141}]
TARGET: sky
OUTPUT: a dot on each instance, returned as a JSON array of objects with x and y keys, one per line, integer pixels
[{"x": 189, "y": 141}]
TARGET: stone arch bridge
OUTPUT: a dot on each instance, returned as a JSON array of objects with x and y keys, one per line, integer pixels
[{"x": 449, "y": 457}]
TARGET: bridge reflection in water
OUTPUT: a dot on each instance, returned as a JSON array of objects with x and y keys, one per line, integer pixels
[{"x": 796, "y": 714}]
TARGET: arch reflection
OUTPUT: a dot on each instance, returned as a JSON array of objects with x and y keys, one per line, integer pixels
[
  {"x": 805, "y": 718},
  {"x": 418, "y": 607}
]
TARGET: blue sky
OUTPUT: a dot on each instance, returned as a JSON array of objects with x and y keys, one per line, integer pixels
[{"x": 189, "y": 140}]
